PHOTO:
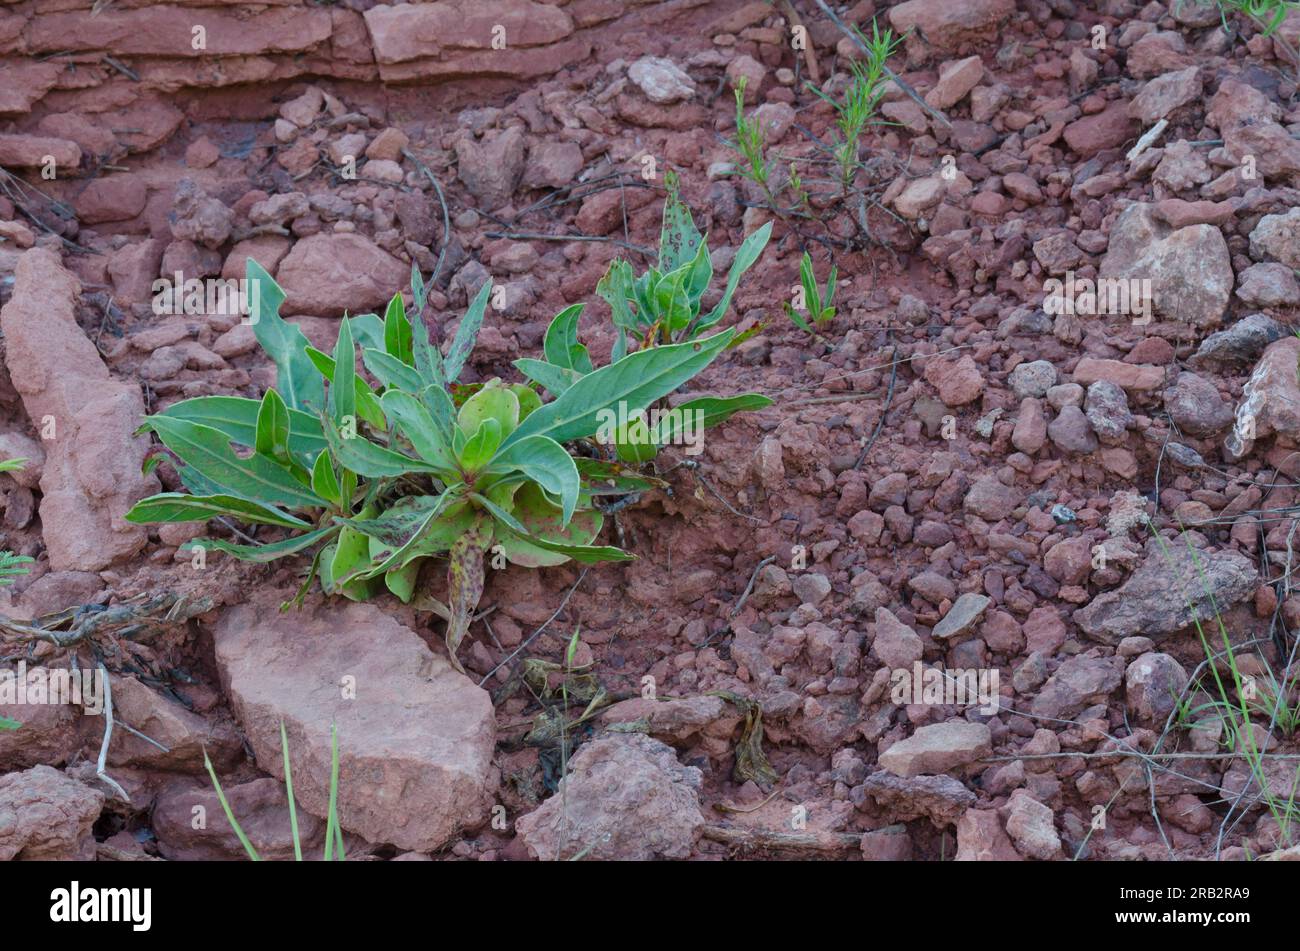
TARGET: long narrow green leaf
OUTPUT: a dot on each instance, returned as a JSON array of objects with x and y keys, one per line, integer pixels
[
  {"x": 462, "y": 345},
  {"x": 179, "y": 507},
  {"x": 225, "y": 806},
  {"x": 391, "y": 372},
  {"x": 333, "y": 830},
  {"x": 702, "y": 413},
  {"x": 636, "y": 381},
  {"x": 438, "y": 402},
  {"x": 288, "y": 790},
  {"x": 418, "y": 293},
  {"x": 555, "y": 379},
  {"x": 343, "y": 398},
  {"x": 365, "y": 401},
  {"x": 363, "y": 457},
  {"x": 397, "y": 331},
  {"x": 264, "y": 553},
  {"x": 746, "y": 255}
]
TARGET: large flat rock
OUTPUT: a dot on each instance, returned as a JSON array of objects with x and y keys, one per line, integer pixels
[{"x": 415, "y": 737}]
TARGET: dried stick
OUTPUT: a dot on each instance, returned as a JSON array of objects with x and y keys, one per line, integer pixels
[
  {"x": 749, "y": 839},
  {"x": 749, "y": 588},
  {"x": 100, "y": 767}
]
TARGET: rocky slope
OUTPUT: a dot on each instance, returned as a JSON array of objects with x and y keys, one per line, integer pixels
[{"x": 1016, "y": 443}]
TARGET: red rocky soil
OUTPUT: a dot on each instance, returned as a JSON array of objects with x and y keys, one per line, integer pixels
[{"x": 996, "y": 521}]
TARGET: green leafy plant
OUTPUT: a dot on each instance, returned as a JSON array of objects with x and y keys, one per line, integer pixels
[
  {"x": 824, "y": 182},
  {"x": 820, "y": 311},
  {"x": 757, "y": 167},
  {"x": 268, "y": 461},
  {"x": 12, "y": 565},
  {"x": 333, "y": 831},
  {"x": 663, "y": 305},
  {"x": 857, "y": 108},
  {"x": 661, "y": 308},
  {"x": 376, "y": 481}
]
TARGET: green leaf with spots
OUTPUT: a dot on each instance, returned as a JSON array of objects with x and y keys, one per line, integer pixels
[
  {"x": 467, "y": 333},
  {"x": 351, "y": 555},
  {"x": 416, "y": 423},
  {"x": 543, "y": 520},
  {"x": 679, "y": 239}
]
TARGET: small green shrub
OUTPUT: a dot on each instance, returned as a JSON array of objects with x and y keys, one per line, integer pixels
[
  {"x": 376, "y": 481},
  {"x": 751, "y": 144},
  {"x": 663, "y": 305},
  {"x": 855, "y": 111},
  {"x": 820, "y": 311},
  {"x": 12, "y": 565},
  {"x": 660, "y": 309},
  {"x": 857, "y": 108},
  {"x": 1235, "y": 700}
]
